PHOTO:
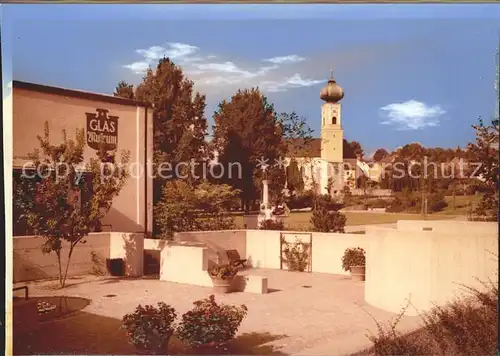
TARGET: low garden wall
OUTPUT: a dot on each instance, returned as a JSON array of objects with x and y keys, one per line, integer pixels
[
  {"x": 30, "y": 263},
  {"x": 428, "y": 267}
]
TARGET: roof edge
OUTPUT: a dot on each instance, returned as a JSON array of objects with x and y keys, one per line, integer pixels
[{"x": 77, "y": 93}]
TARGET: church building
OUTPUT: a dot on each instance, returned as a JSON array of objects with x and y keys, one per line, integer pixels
[{"x": 328, "y": 158}]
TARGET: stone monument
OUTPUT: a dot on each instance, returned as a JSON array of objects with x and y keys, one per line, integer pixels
[{"x": 265, "y": 208}]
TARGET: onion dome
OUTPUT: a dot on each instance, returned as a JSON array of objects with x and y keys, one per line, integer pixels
[{"x": 332, "y": 92}]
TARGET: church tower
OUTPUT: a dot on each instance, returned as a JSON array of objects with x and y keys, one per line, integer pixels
[{"x": 332, "y": 135}]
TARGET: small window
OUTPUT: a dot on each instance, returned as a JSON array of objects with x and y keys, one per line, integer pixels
[{"x": 334, "y": 120}]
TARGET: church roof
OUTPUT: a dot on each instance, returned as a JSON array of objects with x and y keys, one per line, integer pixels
[{"x": 312, "y": 148}]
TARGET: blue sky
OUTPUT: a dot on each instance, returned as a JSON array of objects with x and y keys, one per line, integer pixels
[{"x": 411, "y": 73}]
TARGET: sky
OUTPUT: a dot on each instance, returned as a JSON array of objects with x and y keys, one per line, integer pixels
[{"x": 410, "y": 73}]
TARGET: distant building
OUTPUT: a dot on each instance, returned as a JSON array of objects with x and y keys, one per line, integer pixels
[{"x": 327, "y": 157}]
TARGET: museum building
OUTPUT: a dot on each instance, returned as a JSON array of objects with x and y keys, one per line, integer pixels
[{"x": 122, "y": 124}]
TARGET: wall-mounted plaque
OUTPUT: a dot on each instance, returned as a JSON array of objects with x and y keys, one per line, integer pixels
[{"x": 102, "y": 128}]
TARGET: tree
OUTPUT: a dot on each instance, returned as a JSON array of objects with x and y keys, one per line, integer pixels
[
  {"x": 124, "y": 90},
  {"x": 187, "y": 208},
  {"x": 247, "y": 130},
  {"x": 485, "y": 152},
  {"x": 380, "y": 154},
  {"x": 294, "y": 180},
  {"x": 179, "y": 124},
  {"x": 53, "y": 207},
  {"x": 352, "y": 149}
]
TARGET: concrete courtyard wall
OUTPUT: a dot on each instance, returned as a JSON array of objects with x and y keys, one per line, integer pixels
[
  {"x": 130, "y": 247},
  {"x": 30, "y": 263},
  {"x": 460, "y": 227},
  {"x": 426, "y": 267},
  {"x": 217, "y": 242}
]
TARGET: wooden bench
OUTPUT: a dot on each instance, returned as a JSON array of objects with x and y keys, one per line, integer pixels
[
  {"x": 235, "y": 259},
  {"x": 25, "y": 290}
]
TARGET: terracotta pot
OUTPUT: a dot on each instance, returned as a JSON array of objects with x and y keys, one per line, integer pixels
[
  {"x": 358, "y": 273},
  {"x": 222, "y": 286}
]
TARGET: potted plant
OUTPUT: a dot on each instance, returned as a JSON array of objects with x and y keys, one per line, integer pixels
[
  {"x": 150, "y": 329},
  {"x": 354, "y": 260},
  {"x": 209, "y": 326},
  {"x": 222, "y": 276}
]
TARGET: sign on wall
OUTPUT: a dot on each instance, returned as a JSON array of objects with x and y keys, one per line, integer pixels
[{"x": 102, "y": 128}]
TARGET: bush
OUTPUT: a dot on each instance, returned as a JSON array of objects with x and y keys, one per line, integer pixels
[
  {"x": 436, "y": 203},
  {"x": 270, "y": 224},
  {"x": 210, "y": 324},
  {"x": 467, "y": 326},
  {"x": 378, "y": 204},
  {"x": 353, "y": 257},
  {"x": 224, "y": 271},
  {"x": 296, "y": 255},
  {"x": 301, "y": 201},
  {"x": 325, "y": 201},
  {"x": 149, "y": 328},
  {"x": 323, "y": 220}
]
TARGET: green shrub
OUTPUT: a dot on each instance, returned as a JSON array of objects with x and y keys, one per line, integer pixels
[
  {"x": 353, "y": 257},
  {"x": 325, "y": 201},
  {"x": 436, "y": 203},
  {"x": 323, "y": 220},
  {"x": 296, "y": 255},
  {"x": 270, "y": 224},
  {"x": 149, "y": 328},
  {"x": 302, "y": 201},
  {"x": 210, "y": 324}
]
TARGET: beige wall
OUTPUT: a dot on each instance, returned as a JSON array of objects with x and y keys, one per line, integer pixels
[
  {"x": 427, "y": 267},
  {"x": 217, "y": 242},
  {"x": 469, "y": 227},
  {"x": 29, "y": 263},
  {"x": 32, "y": 108},
  {"x": 129, "y": 247}
]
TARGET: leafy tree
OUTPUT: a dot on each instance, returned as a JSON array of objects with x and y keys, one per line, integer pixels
[
  {"x": 246, "y": 130},
  {"x": 124, "y": 90},
  {"x": 187, "y": 208},
  {"x": 53, "y": 208},
  {"x": 179, "y": 124},
  {"x": 485, "y": 151},
  {"x": 380, "y": 154},
  {"x": 294, "y": 180},
  {"x": 352, "y": 149}
]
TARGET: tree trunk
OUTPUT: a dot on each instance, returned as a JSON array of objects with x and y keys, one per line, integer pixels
[
  {"x": 58, "y": 253},
  {"x": 454, "y": 196},
  {"x": 67, "y": 265}
]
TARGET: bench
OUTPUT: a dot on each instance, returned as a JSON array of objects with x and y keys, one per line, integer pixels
[
  {"x": 25, "y": 291},
  {"x": 235, "y": 259}
]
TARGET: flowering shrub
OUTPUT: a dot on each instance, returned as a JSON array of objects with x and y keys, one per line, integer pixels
[
  {"x": 353, "y": 257},
  {"x": 271, "y": 224},
  {"x": 296, "y": 255},
  {"x": 224, "y": 271},
  {"x": 210, "y": 324},
  {"x": 150, "y": 328}
]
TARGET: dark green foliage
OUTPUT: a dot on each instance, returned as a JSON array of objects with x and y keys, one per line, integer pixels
[
  {"x": 353, "y": 257},
  {"x": 270, "y": 224},
  {"x": 210, "y": 324},
  {"x": 294, "y": 180},
  {"x": 296, "y": 255},
  {"x": 149, "y": 328},
  {"x": 323, "y": 220}
]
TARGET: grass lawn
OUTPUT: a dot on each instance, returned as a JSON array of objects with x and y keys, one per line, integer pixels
[
  {"x": 461, "y": 204},
  {"x": 300, "y": 220}
]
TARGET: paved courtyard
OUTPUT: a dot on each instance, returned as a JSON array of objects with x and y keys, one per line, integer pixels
[{"x": 314, "y": 314}]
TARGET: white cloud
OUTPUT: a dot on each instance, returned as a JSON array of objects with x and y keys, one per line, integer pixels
[
  {"x": 285, "y": 59},
  {"x": 412, "y": 115},
  {"x": 210, "y": 72},
  {"x": 295, "y": 81}
]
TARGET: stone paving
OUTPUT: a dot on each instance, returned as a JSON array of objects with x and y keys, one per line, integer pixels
[{"x": 320, "y": 314}]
